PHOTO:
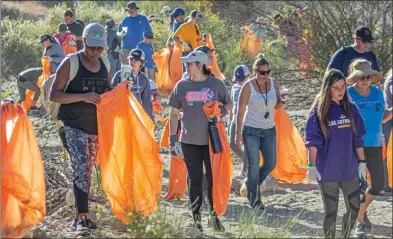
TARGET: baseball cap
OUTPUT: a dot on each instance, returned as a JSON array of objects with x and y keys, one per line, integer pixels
[
  {"x": 131, "y": 6},
  {"x": 137, "y": 54},
  {"x": 194, "y": 56},
  {"x": 94, "y": 34},
  {"x": 148, "y": 34},
  {"x": 110, "y": 23},
  {"x": 45, "y": 37},
  {"x": 363, "y": 33},
  {"x": 177, "y": 12},
  {"x": 196, "y": 14},
  {"x": 204, "y": 49},
  {"x": 166, "y": 9},
  {"x": 62, "y": 27},
  {"x": 240, "y": 73}
]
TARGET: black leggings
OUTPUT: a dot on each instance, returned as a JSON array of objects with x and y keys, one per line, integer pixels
[
  {"x": 195, "y": 156},
  {"x": 374, "y": 161}
]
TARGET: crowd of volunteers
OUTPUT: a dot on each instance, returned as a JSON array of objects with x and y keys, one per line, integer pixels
[{"x": 349, "y": 123}]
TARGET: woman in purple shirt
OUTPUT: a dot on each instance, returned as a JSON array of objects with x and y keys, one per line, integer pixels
[{"x": 333, "y": 136}]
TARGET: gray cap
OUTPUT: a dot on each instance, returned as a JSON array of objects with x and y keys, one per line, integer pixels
[
  {"x": 95, "y": 35},
  {"x": 194, "y": 56}
]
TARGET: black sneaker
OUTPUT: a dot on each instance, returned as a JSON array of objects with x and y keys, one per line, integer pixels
[
  {"x": 215, "y": 223},
  {"x": 85, "y": 224},
  {"x": 367, "y": 222},
  {"x": 360, "y": 230},
  {"x": 34, "y": 108},
  {"x": 198, "y": 222},
  {"x": 258, "y": 206}
]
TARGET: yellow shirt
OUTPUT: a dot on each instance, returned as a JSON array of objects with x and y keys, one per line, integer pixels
[{"x": 189, "y": 33}]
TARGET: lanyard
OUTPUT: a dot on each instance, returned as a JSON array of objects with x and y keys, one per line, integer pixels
[{"x": 265, "y": 99}]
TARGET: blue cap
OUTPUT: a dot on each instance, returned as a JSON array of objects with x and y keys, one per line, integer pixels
[
  {"x": 240, "y": 73},
  {"x": 148, "y": 34},
  {"x": 177, "y": 12}
]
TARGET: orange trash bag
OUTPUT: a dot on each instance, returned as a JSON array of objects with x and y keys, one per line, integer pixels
[
  {"x": 28, "y": 102},
  {"x": 215, "y": 69},
  {"x": 23, "y": 202},
  {"x": 389, "y": 156},
  {"x": 128, "y": 155},
  {"x": 178, "y": 171},
  {"x": 221, "y": 163},
  {"x": 175, "y": 65},
  {"x": 68, "y": 49},
  {"x": 157, "y": 107},
  {"x": 291, "y": 150}
]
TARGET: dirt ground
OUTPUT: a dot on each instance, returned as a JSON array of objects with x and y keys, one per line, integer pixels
[{"x": 292, "y": 210}]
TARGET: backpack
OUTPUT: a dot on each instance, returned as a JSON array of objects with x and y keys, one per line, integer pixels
[
  {"x": 52, "y": 108},
  {"x": 343, "y": 49},
  {"x": 115, "y": 48}
]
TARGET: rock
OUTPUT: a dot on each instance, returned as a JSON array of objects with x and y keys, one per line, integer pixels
[
  {"x": 36, "y": 232},
  {"x": 70, "y": 198}
]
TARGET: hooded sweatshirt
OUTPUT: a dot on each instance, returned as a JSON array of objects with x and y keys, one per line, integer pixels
[{"x": 336, "y": 155}]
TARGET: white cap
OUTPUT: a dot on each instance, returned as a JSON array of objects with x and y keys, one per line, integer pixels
[
  {"x": 166, "y": 9},
  {"x": 194, "y": 56}
]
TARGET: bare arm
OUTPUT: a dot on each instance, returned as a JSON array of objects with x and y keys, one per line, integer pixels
[
  {"x": 242, "y": 105},
  {"x": 387, "y": 115},
  {"x": 173, "y": 121},
  {"x": 312, "y": 155},
  {"x": 279, "y": 103}
]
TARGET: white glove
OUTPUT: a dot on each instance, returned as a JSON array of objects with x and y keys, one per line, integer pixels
[
  {"x": 186, "y": 45},
  {"x": 362, "y": 169},
  {"x": 72, "y": 43},
  {"x": 129, "y": 84},
  {"x": 313, "y": 174},
  {"x": 218, "y": 118},
  {"x": 50, "y": 59},
  {"x": 123, "y": 33}
]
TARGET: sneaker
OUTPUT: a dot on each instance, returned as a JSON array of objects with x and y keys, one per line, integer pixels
[
  {"x": 241, "y": 175},
  {"x": 85, "y": 224},
  {"x": 367, "y": 222},
  {"x": 198, "y": 222},
  {"x": 215, "y": 223},
  {"x": 73, "y": 224},
  {"x": 258, "y": 206},
  {"x": 360, "y": 230}
]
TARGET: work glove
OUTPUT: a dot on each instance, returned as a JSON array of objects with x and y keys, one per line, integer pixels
[
  {"x": 313, "y": 174},
  {"x": 362, "y": 169},
  {"x": 175, "y": 147},
  {"x": 186, "y": 45},
  {"x": 223, "y": 110},
  {"x": 72, "y": 43},
  {"x": 169, "y": 42},
  {"x": 50, "y": 59},
  {"x": 129, "y": 85},
  {"x": 123, "y": 33}
]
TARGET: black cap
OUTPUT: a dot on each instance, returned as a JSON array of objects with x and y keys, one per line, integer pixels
[
  {"x": 204, "y": 49},
  {"x": 131, "y": 6},
  {"x": 110, "y": 23},
  {"x": 45, "y": 37},
  {"x": 363, "y": 33}
]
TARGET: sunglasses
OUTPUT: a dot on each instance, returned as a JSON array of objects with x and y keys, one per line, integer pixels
[
  {"x": 365, "y": 78},
  {"x": 264, "y": 72},
  {"x": 364, "y": 41}
]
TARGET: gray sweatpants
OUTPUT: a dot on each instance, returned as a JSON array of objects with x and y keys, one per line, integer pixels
[
  {"x": 330, "y": 195},
  {"x": 27, "y": 85}
]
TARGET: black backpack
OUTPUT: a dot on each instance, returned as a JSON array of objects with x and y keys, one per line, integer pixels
[{"x": 115, "y": 44}]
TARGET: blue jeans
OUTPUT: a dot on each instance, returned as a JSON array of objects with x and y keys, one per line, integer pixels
[
  {"x": 256, "y": 140},
  {"x": 386, "y": 129}
]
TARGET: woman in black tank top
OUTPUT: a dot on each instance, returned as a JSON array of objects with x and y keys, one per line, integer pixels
[{"x": 78, "y": 113}]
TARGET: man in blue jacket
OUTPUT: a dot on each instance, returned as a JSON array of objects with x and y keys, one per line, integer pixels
[{"x": 131, "y": 30}]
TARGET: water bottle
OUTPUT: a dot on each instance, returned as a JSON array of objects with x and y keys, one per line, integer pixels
[{"x": 214, "y": 136}]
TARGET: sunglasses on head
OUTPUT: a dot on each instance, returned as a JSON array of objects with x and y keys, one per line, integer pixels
[
  {"x": 364, "y": 41},
  {"x": 264, "y": 72}
]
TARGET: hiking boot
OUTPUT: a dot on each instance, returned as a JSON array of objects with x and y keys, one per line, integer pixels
[
  {"x": 34, "y": 109},
  {"x": 85, "y": 224},
  {"x": 215, "y": 223},
  {"x": 360, "y": 230},
  {"x": 367, "y": 222}
]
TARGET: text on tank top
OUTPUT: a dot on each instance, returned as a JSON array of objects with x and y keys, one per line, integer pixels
[{"x": 82, "y": 115}]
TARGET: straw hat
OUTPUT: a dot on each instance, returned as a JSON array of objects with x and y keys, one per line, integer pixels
[{"x": 363, "y": 68}]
